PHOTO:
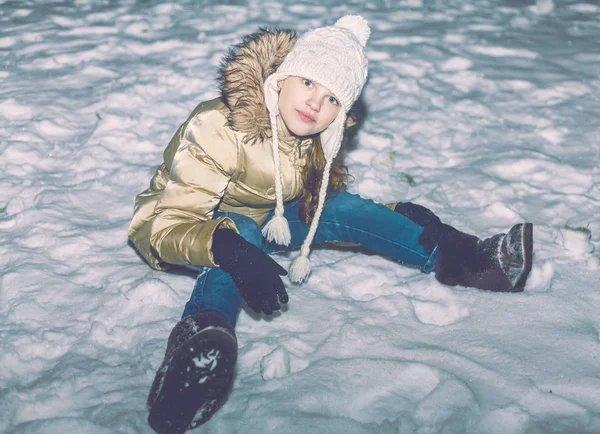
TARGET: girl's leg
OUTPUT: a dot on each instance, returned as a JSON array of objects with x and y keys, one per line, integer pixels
[
  {"x": 349, "y": 218},
  {"x": 196, "y": 375},
  {"x": 413, "y": 235}
]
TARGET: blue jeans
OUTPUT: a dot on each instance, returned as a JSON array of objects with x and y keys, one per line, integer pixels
[{"x": 346, "y": 218}]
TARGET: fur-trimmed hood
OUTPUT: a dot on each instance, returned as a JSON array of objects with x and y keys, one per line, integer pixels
[{"x": 242, "y": 75}]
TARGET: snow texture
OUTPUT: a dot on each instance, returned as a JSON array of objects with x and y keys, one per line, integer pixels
[{"x": 484, "y": 111}]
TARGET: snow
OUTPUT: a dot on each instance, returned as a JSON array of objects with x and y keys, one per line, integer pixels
[
  {"x": 209, "y": 360},
  {"x": 486, "y": 112},
  {"x": 275, "y": 364}
]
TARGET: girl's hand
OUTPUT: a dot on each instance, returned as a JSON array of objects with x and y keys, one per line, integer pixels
[{"x": 254, "y": 272}]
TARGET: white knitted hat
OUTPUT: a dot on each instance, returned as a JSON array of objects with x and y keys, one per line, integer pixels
[{"x": 332, "y": 57}]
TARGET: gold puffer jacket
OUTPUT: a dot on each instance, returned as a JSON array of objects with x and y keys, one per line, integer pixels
[{"x": 220, "y": 158}]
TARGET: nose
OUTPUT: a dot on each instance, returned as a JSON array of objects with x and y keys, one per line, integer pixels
[{"x": 314, "y": 102}]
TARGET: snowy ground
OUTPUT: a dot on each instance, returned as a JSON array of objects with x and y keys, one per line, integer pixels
[{"x": 485, "y": 111}]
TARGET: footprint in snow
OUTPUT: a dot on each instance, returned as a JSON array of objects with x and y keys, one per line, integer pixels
[
  {"x": 437, "y": 305},
  {"x": 275, "y": 364}
]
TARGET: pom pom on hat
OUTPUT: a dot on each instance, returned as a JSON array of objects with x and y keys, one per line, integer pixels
[
  {"x": 357, "y": 25},
  {"x": 332, "y": 56}
]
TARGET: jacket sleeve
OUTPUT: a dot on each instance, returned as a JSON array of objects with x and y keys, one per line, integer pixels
[{"x": 201, "y": 169}]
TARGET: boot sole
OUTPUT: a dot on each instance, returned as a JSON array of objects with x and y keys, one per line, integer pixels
[
  {"x": 196, "y": 383},
  {"x": 527, "y": 248}
]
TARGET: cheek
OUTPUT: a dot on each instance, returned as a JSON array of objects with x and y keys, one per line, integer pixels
[
  {"x": 287, "y": 121},
  {"x": 283, "y": 99},
  {"x": 286, "y": 101},
  {"x": 331, "y": 114}
]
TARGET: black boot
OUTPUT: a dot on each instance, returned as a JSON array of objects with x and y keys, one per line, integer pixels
[
  {"x": 501, "y": 263},
  {"x": 196, "y": 376}
]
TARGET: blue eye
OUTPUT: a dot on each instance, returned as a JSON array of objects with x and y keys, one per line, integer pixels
[
  {"x": 333, "y": 101},
  {"x": 307, "y": 82}
]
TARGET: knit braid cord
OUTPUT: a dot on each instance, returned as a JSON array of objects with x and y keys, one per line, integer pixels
[
  {"x": 277, "y": 229},
  {"x": 300, "y": 268}
]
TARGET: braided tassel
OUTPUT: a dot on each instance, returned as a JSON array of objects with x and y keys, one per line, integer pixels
[
  {"x": 300, "y": 268},
  {"x": 277, "y": 229}
]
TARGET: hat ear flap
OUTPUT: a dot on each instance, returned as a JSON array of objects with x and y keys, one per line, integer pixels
[
  {"x": 271, "y": 92},
  {"x": 331, "y": 138}
]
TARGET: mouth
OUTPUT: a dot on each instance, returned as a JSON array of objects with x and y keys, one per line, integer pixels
[{"x": 305, "y": 116}]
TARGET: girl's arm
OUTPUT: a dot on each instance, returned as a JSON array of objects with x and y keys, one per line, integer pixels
[{"x": 202, "y": 167}]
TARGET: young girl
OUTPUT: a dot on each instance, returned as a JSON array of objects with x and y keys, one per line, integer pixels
[{"x": 252, "y": 173}]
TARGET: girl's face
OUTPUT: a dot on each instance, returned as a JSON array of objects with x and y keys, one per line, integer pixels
[{"x": 306, "y": 108}]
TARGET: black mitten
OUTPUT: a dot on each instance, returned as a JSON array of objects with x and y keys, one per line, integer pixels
[{"x": 256, "y": 274}]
